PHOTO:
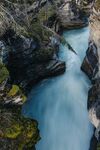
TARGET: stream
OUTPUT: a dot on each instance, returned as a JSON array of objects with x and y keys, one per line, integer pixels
[{"x": 59, "y": 104}]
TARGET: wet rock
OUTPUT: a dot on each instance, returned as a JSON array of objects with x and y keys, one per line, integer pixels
[
  {"x": 28, "y": 61},
  {"x": 42, "y": 71},
  {"x": 90, "y": 63},
  {"x": 52, "y": 68},
  {"x": 56, "y": 67},
  {"x": 93, "y": 143}
]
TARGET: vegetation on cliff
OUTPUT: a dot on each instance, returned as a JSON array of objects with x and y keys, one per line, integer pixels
[
  {"x": 3, "y": 73},
  {"x": 17, "y": 132}
]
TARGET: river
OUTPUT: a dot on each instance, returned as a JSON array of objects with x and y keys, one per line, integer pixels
[{"x": 59, "y": 104}]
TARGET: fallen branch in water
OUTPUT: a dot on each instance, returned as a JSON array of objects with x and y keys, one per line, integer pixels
[{"x": 62, "y": 39}]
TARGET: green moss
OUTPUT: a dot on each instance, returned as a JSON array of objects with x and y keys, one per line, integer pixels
[
  {"x": 30, "y": 134},
  {"x": 14, "y": 90},
  {"x": 24, "y": 98},
  {"x": 13, "y": 132},
  {"x": 20, "y": 131},
  {"x": 3, "y": 73}
]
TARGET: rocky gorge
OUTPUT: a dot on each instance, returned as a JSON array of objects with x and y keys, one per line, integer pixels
[{"x": 29, "y": 41}]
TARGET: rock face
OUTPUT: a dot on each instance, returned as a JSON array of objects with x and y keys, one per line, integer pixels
[
  {"x": 74, "y": 13},
  {"x": 91, "y": 67},
  {"x": 94, "y": 93},
  {"x": 27, "y": 61},
  {"x": 90, "y": 64},
  {"x": 94, "y": 112},
  {"x": 95, "y": 36}
]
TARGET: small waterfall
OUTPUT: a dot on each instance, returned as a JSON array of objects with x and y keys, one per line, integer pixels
[{"x": 59, "y": 104}]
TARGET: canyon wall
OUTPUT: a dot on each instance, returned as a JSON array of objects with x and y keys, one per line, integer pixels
[
  {"x": 29, "y": 41},
  {"x": 91, "y": 66}
]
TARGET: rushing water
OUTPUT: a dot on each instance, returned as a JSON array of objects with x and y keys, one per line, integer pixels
[{"x": 60, "y": 103}]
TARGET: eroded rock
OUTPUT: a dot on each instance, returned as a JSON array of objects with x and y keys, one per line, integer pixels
[{"x": 90, "y": 62}]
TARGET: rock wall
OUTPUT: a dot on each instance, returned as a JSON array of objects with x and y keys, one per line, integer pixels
[
  {"x": 27, "y": 55},
  {"x": 91, "y": 60},
  {"x": 91, "y": 66},
  {"x": 74, "y": 14}
]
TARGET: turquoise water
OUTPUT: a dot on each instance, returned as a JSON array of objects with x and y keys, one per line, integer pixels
[{"x": 59, "y": 104}]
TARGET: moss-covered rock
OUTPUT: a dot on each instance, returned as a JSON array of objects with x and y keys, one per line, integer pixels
[
  {"x": 16, "y": 91},
  {"x": 3, "y": 73},
  {"x": 16, "y": 132},
  {"x": 21, "y": 132}
]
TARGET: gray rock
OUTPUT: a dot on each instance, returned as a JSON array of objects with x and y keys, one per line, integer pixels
[
  {"x": 28, "y": 62},
  {"x": 90, "y": 63}
]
